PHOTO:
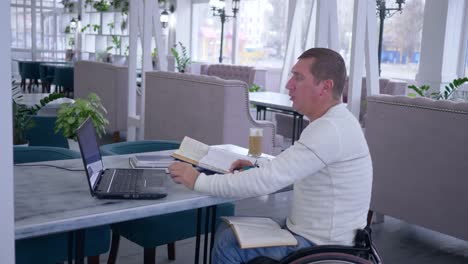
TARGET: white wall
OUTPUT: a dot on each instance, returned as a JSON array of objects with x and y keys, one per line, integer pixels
[{"x": 7, "y": 239}]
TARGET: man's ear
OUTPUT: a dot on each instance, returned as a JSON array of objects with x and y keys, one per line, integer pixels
[{"x": 327, "y": 86}]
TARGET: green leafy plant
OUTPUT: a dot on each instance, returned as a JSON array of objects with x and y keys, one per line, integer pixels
[
  {"x": 182, "y": 60},
  {"x": 83, "y": 29},
  {"x": 101, "y": 6},
  {"x": 154, "y": 53},
  {"x": 88, "y": 2},
  {"x": 71, "y": 42},
  {"x": 127, "y": 50},
  {"x": 117, "y": 4},
  {"x": 423, "y": 90},
  {"x": 67, "y": 30},
  {"x": 254, "y": 88},
  {"x": 96, "y": 28},
  {"x": 22, "y": 120},
  {"x": 68, "y": 4},
  {"x": 71, "y": 116},
  {"x": 111, "y": 26},
  {"x": 125, "y": 7},
  {"x": 51, "y": 97}
]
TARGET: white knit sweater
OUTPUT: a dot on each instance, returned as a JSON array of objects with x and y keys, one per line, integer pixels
[{"x": 331, "y": 170}]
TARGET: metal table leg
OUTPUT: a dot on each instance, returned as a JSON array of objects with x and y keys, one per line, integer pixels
[
  {"x": 197, "y": 241},
  {"x": 207, "y": 230},
  {"x": 79, "y": 246}
]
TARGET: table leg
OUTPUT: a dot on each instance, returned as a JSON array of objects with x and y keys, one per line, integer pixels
[
  {"x": 207, "y": 230},
  {"x": 70, "y": 247},
  {"x": 197, "y": 240},
  {"x": 299, "y": 125},
  {"x": 213, "y": 229},
  {"x": 258, "y": 112},
  {"x": 79, "y": 246},
  {"x": 294, "y": 130}
]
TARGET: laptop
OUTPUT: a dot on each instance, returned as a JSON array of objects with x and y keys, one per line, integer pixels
[{"x": 113, "y": 183}]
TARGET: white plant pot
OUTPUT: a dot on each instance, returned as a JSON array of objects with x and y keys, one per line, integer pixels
[{"x": 73, "y": 145}]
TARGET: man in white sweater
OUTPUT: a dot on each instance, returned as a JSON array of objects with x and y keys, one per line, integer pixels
[{"x": 330, "y": 167}]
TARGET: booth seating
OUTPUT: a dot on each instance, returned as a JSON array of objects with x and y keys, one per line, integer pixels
[
  {"x": 419, "y": 157},
  {"x": 387, "y": 86},
  {"x": 205, "y": 108},
  {"x": 230, "y": 72},
  {"x": 110, "y": 83}
]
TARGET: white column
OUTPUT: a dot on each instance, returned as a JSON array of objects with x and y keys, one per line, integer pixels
[
  {"x": 159, "y": 38},
  {"x": 184, "y": 23},
  {"x": 357, "y": 56},
  {"x": 293, "y": 47},
  {"x": 440, "y": 43},
  {"x": 33, "y": 30},
  {"x": 372, "y": 74},
  {"x": 321, "y": 26},
  {"x": 133, "y": 119},
  {"x": 7, "y": 227}
]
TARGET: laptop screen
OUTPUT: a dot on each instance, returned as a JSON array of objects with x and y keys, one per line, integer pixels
[{"x": 89, "y": 148}]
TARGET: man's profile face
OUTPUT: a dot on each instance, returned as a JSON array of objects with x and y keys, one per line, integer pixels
[{"x": 303, "y": 87}]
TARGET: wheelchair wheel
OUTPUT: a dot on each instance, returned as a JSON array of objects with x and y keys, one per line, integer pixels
[{"x": 330, "y": 258}]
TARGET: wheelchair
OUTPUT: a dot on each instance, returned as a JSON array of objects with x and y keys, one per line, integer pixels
[{"x": 363, "y": 252}]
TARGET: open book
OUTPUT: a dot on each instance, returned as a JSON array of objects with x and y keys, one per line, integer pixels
[
  {"x": 143, "y": 161},
  {"x": 206, "y": 157},
  {"x": 253, "y": 232}
]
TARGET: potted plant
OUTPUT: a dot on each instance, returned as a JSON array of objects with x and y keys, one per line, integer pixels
[
  {"x": 71, "y": 116},
  {"x": 182, "y": 60},
  {"x": 424, "y": 90},
  {"x": 22, "y": 121}
]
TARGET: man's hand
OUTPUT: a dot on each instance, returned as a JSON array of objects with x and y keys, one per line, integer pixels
[
  {"x": 240, "y": 164},
  {"x": 184, "y": 173}
]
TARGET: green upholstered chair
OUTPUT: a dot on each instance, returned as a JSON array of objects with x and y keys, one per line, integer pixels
[
  {"x": 42, "y": 133},
  {"x": 138, "y": 147},
  {"x": 30, "y": 70},
  {"x": 158, "y": 230},
  {"x": 64, "y": 78},
  {"x": 54, "y": 248}
]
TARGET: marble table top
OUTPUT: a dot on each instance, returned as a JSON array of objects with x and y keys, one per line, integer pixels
[{"x": 51, "y": 200}]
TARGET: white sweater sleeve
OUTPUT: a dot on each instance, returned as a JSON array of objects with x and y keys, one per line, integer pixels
[{"x": 295, "y": 163}]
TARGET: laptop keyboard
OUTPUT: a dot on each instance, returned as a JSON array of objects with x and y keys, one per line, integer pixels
[{"x": 125, "y": 180}]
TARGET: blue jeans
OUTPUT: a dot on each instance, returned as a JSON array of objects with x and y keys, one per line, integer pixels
[{"x": 226, "y": 250}]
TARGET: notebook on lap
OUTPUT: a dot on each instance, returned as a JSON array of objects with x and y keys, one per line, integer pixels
[{"x": 113, "y": 183}]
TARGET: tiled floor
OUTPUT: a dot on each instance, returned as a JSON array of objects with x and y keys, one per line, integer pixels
[{"x": 398, "y": 242}]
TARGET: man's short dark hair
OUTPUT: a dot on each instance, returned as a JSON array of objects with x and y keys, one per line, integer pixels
[{"x": 328, "y": 65}]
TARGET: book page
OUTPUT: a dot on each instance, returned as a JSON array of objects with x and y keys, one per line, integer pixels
[
  {"x": 252, "y": 232},
  {"x": 220, "y": 160},
  {"x": 192, "y": 150}
]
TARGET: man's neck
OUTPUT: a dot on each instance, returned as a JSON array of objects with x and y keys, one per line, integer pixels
[{"x": 322, "y": 110}]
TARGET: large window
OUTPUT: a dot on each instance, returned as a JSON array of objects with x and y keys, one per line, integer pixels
[
  {"x": 261, "y": 33},
  {"x": 402, "y": 41}
]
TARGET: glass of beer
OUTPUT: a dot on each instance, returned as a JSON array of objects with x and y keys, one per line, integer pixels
[{"x": 255, "y": 142}]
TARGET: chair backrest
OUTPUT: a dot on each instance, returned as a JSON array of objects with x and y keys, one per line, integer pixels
[
  {"x": 206, "y": 108},
  {"x": 36, "y": 154},
  {"x": 231, "y": 72},
  {"x": 110, "y": 83},
  {"x": 419, "y": 159},
  {"x": 138, "y": 147},
  {"x": 64, "y": 77},
  {"x": 30, "y": 70},
  {"x": 42, "y": 133}
]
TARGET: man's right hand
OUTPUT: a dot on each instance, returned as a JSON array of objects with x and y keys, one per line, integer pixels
[{"x": 240, "y": 165}]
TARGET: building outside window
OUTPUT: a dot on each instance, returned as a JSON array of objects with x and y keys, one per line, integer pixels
[{"x": 262, "y": 27}]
